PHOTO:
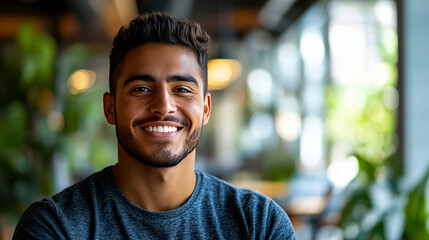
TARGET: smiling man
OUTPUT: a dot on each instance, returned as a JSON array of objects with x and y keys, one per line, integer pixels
[{"x": 158, "y": 102}]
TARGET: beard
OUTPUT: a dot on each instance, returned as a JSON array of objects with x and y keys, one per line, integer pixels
[{"x": 161, "y": 156}]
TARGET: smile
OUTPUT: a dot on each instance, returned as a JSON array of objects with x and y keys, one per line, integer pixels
[{"x": 161, "y": 129}]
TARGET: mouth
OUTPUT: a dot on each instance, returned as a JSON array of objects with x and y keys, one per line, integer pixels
[
  {"x": 162, "y": 129},
  {"x": 168, "y": 126}
]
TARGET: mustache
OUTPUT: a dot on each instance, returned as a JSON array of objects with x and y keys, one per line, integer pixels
[{"x": 141, "y": 121}]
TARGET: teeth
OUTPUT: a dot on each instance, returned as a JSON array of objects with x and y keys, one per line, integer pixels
[{"x": 161, "y": 129}]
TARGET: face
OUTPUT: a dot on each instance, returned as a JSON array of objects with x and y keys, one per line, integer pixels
[{"x": 159, "y": 108}]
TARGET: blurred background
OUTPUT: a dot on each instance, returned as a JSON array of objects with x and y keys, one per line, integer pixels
[{"x": 319, "y": 104}]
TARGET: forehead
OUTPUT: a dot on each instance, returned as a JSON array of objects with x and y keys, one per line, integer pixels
[{"x": 159, "y": 60}]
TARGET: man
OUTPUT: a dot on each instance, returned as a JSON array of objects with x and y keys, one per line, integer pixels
[{"x": 159, "y": 103}]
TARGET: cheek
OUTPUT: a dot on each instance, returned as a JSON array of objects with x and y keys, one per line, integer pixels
[
  {"x": 126, "y": 112},
  {"x": 194, "y": 110}
]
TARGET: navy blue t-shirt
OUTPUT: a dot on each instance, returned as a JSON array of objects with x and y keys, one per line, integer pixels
[{"x": 96, "y": 208}]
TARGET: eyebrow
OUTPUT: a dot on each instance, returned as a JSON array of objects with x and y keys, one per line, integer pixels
[
  {"x": 144, "y": 77},
  {"x": 182, "y": 78},
  {"x": 171, "y": 78}
]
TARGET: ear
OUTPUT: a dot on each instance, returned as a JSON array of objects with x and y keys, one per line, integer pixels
[
  {"x": 207, "y": 108},
  {"x": 109, "y": 108}
]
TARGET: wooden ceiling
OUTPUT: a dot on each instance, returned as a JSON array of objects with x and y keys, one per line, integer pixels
[{"x": 98, "y": 20}]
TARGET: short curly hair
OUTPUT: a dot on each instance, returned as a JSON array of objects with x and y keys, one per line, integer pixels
[{"x": 161, "y": 28}]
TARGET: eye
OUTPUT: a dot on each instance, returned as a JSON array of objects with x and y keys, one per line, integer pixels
[
  {"x": 141, "y": 89},
  {"x": 182, "y": 90}
]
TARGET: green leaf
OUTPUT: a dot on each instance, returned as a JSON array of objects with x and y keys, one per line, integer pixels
[
  {"x": 28, "y": 74},
  {"x": 367, "y": 168},
  {"x": 25, "y": 37},
  {"x": 416, "y": 214},
  {"x": 13, "y": 126},
  {"x": 46, "y": 54}
]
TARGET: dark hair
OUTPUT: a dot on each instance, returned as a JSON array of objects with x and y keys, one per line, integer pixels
[{"x": 162, "y": 28}]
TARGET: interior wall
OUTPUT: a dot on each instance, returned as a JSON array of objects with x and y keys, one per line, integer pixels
[{"x": 415, "y": 82}]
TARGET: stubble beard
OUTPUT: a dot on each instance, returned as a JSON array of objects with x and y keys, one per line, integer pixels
[{"x": 161, "y": 156}]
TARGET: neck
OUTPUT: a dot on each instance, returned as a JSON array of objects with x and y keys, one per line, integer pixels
[{"x": 156, "y": 189}]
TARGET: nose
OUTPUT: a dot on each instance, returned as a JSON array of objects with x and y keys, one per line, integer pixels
[{"x": 163, "y": 103}]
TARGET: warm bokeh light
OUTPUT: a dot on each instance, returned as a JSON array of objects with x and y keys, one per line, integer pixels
[
  {"x": 342, "y": 172},
  {"x": 288, "y": 125},
  {"x": 221, "y": 72},
  {"x": 46, "y": 101},
  {"x": 55, "y": 121},
  {"x": 80, "y": 80}
]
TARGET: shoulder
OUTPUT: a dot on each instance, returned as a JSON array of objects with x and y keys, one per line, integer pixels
[
  {"x": 225, "y": 190},
  {"x": 84, "y": 188},
  {"x": 39, "y": 221},
  {"x": 80, "y": 200},
  {"x": 262, "y": 214},
  {"x": 46, "y": 219}
]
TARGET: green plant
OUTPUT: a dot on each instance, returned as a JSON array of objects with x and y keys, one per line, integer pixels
[
  {"x": 416, "y": 215},
  {"x": 26, "y": 143},
  {"x": 43, "y": 125},
  {"x": 378, "y": 207}
]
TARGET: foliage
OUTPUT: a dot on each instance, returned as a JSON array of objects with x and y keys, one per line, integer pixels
[
  {"x": 381, "y": 209},
  {"x": 416, "y": 215},
  {"x": 42, "y": 125},
  {"x": 28, "y": 68},
  {"x": 369, "y": 130},
  {"x": 362, "y": 116}
]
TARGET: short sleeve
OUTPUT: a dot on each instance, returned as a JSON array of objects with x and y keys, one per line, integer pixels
[
  {"x": 39, "y": 221},
  {"x": 279, "y": 226}
]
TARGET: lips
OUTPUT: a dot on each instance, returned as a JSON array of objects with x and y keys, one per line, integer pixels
[
  {"x": 162, "y": 122},
  {"x": 161, "y": 129}
]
